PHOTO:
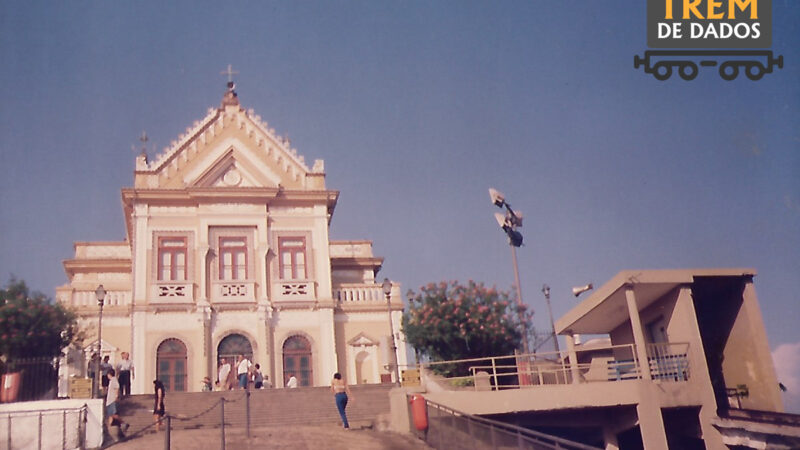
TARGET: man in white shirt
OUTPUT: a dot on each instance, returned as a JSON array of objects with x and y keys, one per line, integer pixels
[
  {"x": 243, "y": 371},
  {"x": 125, "y": 374},
  {"x": 292, "y": 383},
  {"x": 222, "y": 378},
  {"x": 112, "y": 398}
]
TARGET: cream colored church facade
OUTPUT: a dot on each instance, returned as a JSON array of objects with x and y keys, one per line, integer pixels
[{"x": 228, "y": 252}]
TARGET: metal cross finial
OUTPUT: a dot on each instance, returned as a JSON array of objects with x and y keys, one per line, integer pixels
[
  {"x": 230, "y": 73},
  {"x": 144, "y": 138}
]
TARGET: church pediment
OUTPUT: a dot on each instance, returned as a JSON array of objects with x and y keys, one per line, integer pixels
[{"x": 230, "y": 147}]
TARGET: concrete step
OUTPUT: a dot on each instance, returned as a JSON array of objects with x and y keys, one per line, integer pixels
[{"x": 268, "y": 407}]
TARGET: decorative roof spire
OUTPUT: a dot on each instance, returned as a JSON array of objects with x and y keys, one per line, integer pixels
[{"x": 230, "y": 97}]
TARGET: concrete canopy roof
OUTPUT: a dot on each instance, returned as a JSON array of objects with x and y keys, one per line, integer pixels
[{"x": 606, "y": 308}]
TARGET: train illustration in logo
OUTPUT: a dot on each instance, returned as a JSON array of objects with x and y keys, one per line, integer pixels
[{"x": 754, "y": 63}]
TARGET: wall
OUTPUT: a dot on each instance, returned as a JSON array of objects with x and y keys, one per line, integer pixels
[{"x": 25, "y": 422}]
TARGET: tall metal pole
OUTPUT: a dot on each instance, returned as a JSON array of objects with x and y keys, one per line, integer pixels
[
  {"x": 546, "y": 292},
  {"x": 523, "y": 320},
  {"x": 100, "y": 293}
]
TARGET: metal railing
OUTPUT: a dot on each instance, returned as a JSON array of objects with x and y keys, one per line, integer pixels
[
  {"x": 168, "y": 419},
  {"x": 44, "y": 429},
  {"x": 666, "y": 362},
  {"x": 451, "y": 429},
  {"x": 29, "y": 379}
]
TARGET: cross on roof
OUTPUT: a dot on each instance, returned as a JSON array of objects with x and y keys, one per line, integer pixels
[{"x": 230, "y": 73}]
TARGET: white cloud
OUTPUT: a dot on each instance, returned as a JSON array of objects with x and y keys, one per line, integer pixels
[{"x": 787, "y": 366}]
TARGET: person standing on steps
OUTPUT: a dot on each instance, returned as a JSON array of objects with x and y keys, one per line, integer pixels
[
  {"x": 243, "y": 371},
  {"x": 125, "y": 374},
  {"x": 340, "y": 391},
  {"x": 158, "y": 405},
  {"x": 258, "y": 377},
  {"x": 222, "y": 375},
  {"x": 292, "y": 383}
]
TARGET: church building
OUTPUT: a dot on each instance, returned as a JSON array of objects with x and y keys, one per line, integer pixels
[{"x": 228, "y": 252}]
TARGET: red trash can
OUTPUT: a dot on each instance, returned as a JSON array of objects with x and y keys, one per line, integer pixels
[{"x": 419, "y": 412}]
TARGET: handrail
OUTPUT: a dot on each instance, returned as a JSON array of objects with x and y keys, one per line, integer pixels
[
  {"x": 666, "y": 361},
  {"x": 534, "y": 436}
]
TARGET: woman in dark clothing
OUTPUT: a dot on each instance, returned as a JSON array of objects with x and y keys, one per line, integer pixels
[{"x": 158, "y": 406}]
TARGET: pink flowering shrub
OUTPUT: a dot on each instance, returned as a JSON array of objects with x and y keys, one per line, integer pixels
[{"x": 447, "y": 321}]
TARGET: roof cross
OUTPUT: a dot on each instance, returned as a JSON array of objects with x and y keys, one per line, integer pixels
[{"x": 230, "y": 73}]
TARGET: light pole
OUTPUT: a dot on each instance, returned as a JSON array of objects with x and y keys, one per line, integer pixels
[
  {"x": 509, "y": 223},
  {"x": 546, "y": 292},
  {"x": 101, "y": 296},
  {"x": 387, "y": 292}
]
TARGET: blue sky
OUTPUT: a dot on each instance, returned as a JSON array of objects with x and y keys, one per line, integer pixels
[{"x": 417, "y": 109}]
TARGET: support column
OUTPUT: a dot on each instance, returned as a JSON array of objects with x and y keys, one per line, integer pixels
[
  {"x": 638, "y": 333},
  {"x": 573, "y": 358},
  {"x": 651, "y": 424}
]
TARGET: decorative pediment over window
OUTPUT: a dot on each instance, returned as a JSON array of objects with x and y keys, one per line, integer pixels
[{"x": 362, "y": 340}]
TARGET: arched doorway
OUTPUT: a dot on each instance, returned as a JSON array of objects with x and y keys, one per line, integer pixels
[
  {"x": 171, "y": 365},
  {"x": 232, "y": 346},
  {"x": 297, "y": 360}
]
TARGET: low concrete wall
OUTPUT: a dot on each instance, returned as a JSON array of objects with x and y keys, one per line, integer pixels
[{"x": 25, "y": 428}]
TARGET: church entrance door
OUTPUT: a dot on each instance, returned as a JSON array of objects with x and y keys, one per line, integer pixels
[
  {"x": 297, "y": 361},
  {"x": 171, "y": 365},
  {"x": 232, "y": 346}
]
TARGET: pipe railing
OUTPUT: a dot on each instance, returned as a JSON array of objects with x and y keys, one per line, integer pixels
[
  {"x": 448, "y": 428},
  {"x": 666, "y": 362}
]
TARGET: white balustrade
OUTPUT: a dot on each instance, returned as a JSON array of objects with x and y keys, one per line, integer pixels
[{"x": 359, "y": 293}]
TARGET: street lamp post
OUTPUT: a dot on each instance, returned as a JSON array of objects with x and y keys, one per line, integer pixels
[
  {"x": 546, "y": 292},
  {"x": 101, "y": 296},
  {"x": 387, "y": 292},
  {"x": 509, "y": 223}
]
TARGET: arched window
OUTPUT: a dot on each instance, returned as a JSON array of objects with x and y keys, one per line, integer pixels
[
  {"x": 171, "y": 365},
  {"x": 232, "y": 346},
  {"x": 297, "y": 361}
]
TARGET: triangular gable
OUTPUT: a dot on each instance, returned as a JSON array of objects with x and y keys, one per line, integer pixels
[
  {"x": 362, "y": 340},
  {"x": 229, "y": 148}
]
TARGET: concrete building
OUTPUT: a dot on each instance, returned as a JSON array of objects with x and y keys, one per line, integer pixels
[
  {"x": 227, "y": 252},
  {"x": 677, "y": 359}
]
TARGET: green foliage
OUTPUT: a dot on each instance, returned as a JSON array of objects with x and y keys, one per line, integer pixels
[
  {"x": 447, "y": 321},
  {"x": 31, "y": 325}
]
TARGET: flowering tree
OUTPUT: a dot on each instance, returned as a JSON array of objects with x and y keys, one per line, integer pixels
[
  {"x": 447, "y": 321},
  {"x": 31, "y": 325}
]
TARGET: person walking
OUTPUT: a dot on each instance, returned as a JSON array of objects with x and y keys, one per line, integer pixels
[
  {"x": 243, "y": 371},
  {"x": 222, "y": 375},
  {"x": 125, "y": 374},
  {"x": 158, "y": 404},
  {"x": 340, "y": 391},
  {"x": 112, "y": 405}
]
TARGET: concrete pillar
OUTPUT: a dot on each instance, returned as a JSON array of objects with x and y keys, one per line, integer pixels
[
  {"x": 573, "y": 358},
  {"x": 651, "y": 425},
  {"x": 638, "y": 333}
]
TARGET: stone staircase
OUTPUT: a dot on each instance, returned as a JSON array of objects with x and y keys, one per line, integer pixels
[{"x": 268, "y": 407}]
